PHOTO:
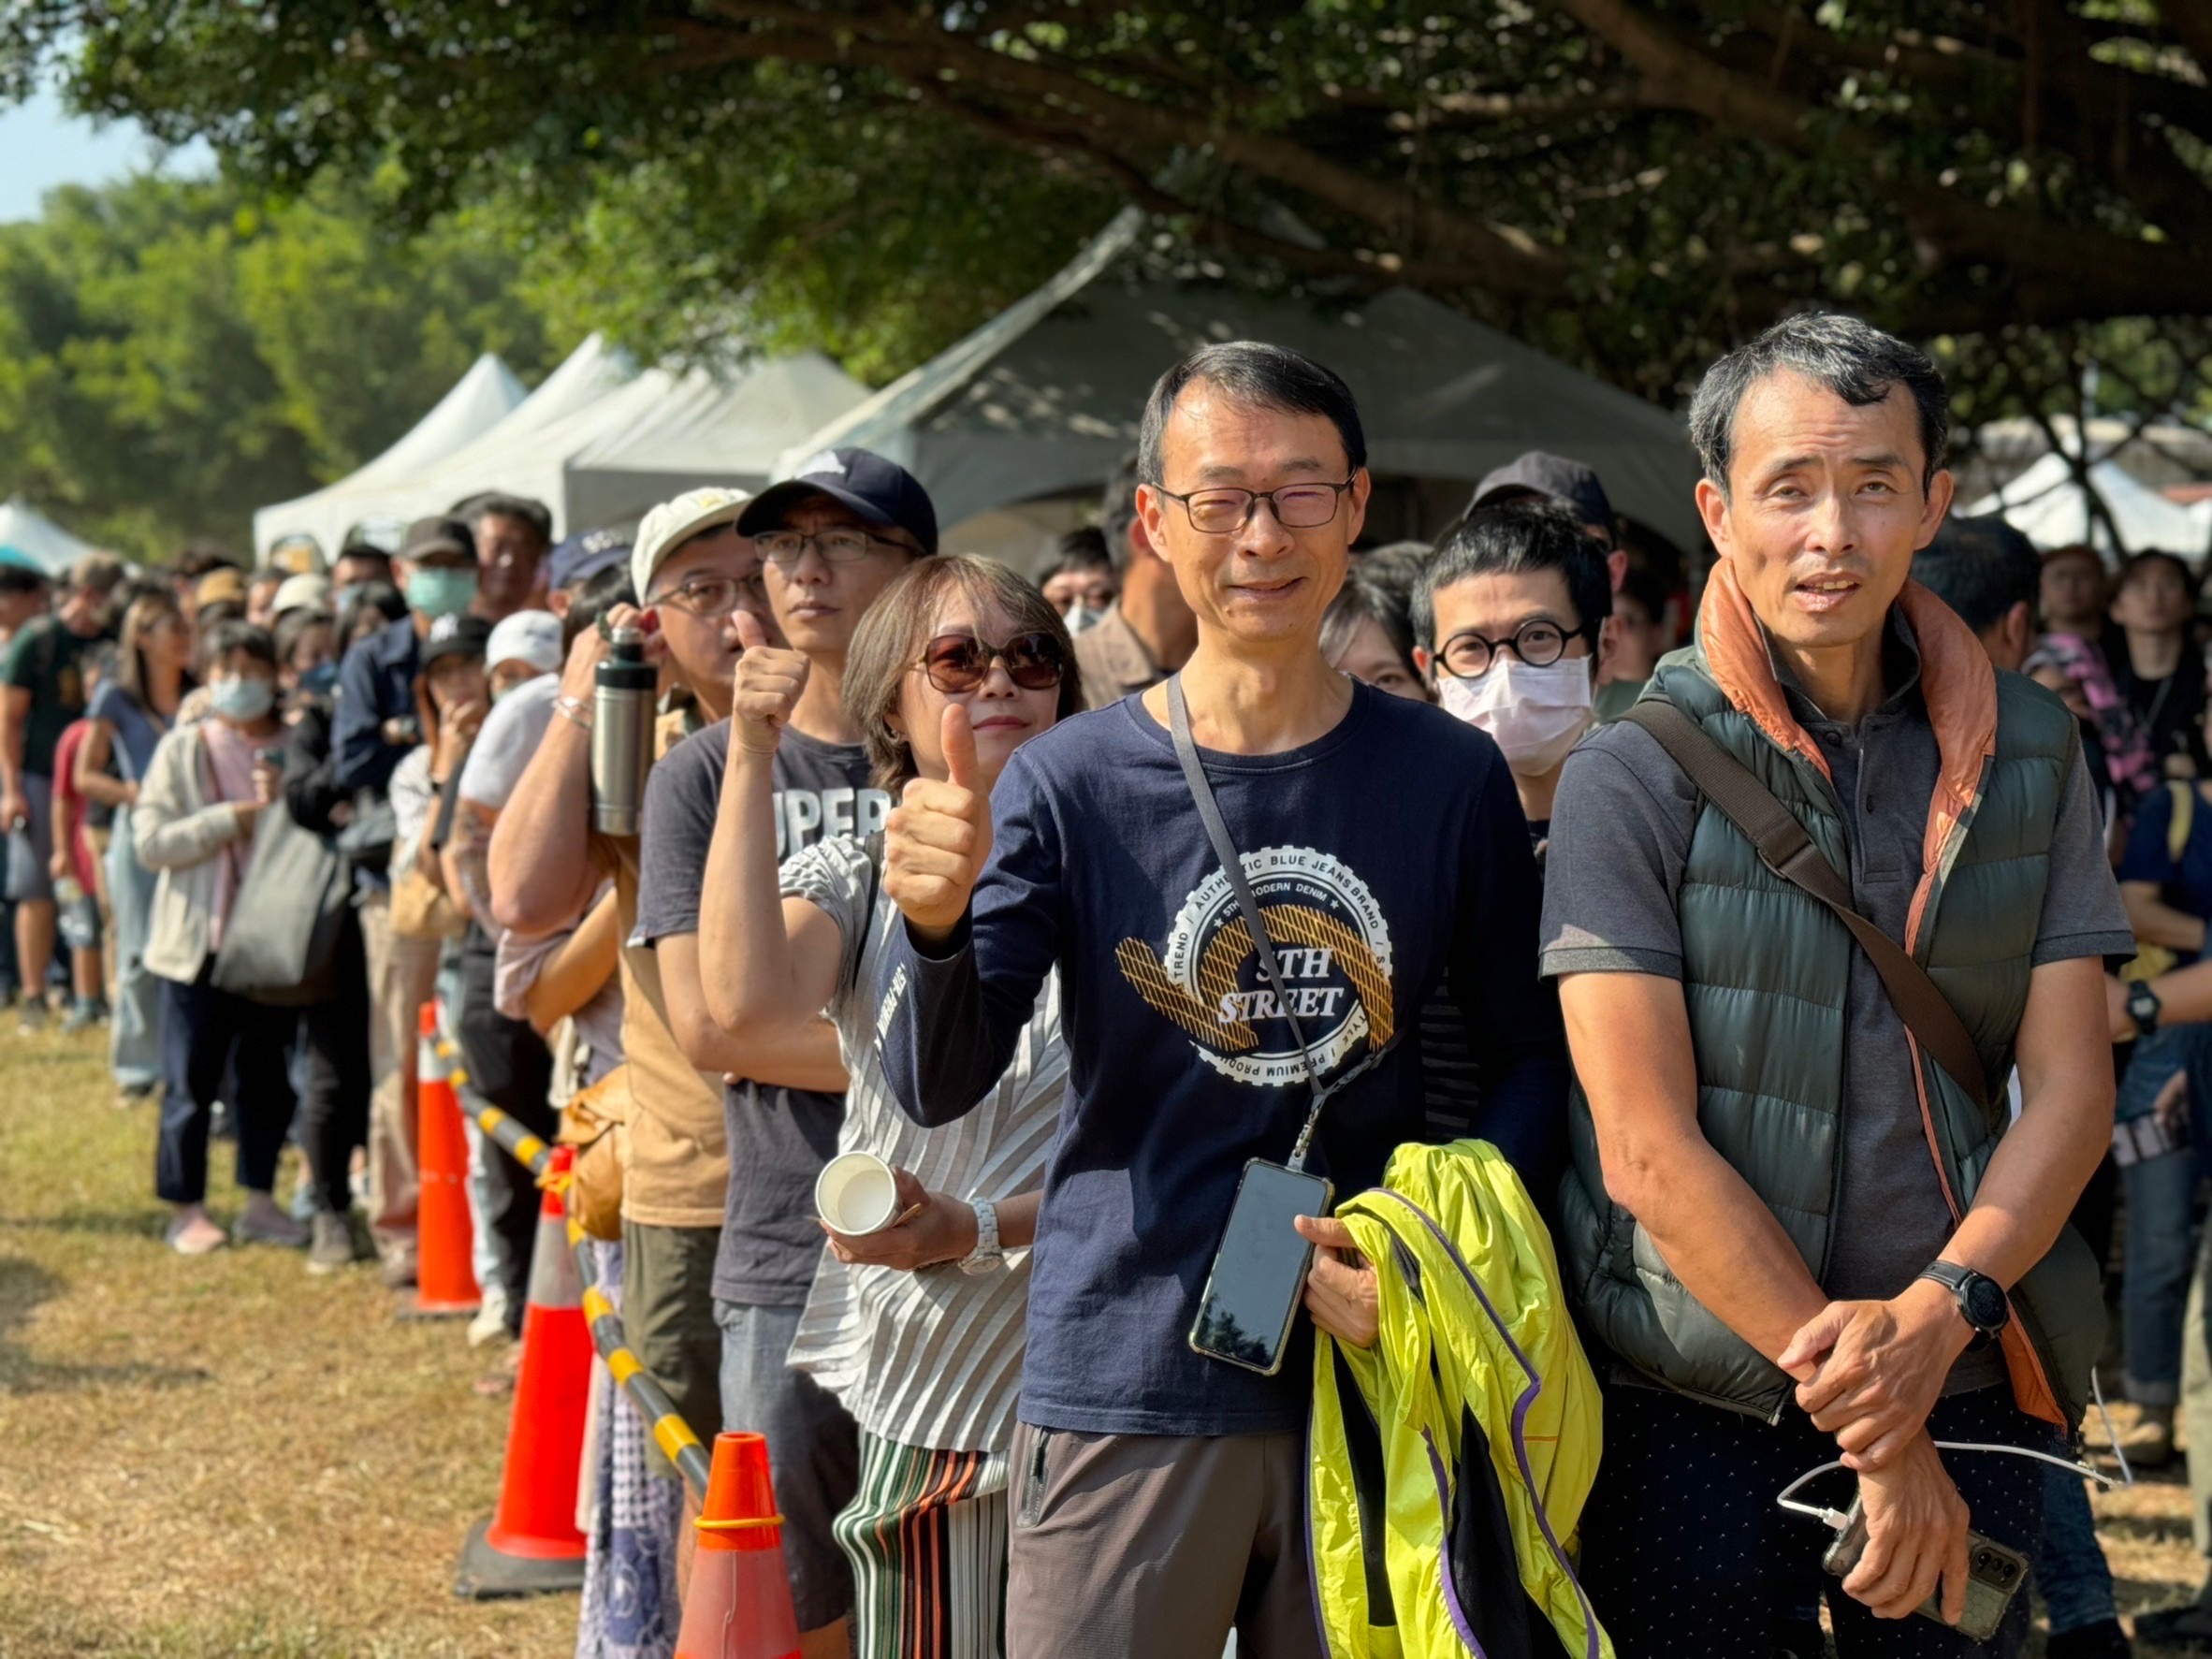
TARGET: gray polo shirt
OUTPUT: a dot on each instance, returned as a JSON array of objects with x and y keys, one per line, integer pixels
[{"x": 1620, "y": 834}]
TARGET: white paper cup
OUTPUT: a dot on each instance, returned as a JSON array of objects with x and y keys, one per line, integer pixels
[{"x": 856, "y": 1193}]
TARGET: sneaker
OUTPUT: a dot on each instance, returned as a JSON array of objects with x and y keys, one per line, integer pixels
[
  {"x": 332, "y": 1250},
  {"x": 398, "y": 1273},
  {"x": 83, "y": 1016},
  {"x": 490, "y": 1323},
  {"x": 193, "y": 1233},
  {"x": 265, "y": 1223},
  {"x": 31, "y": 1020}
]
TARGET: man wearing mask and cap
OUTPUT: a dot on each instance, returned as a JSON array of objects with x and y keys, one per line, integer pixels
[
  {"x": 1540, "y": 476},
  {"x": 371, "y": 732},
  {"x": 1506, "y": 621}
]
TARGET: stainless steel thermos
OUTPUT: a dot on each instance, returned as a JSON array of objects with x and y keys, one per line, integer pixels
[{"x": 621, "y": 734}]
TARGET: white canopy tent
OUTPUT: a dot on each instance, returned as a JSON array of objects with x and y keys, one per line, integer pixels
[
  {"x": 479, "y": 401},
  {"x": 502, "y": 457},
  {"x": 28, "y": 535},
  {"x": 599, "y": 443},
  {"x": 2047, "y": 504},
  {"x": 699, "y": 430},
  {"x": 1045, "y": 397}
]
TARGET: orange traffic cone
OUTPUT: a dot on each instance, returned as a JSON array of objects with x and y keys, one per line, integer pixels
[
  {"x": 530, "y": 1543},
  {"x": 445, "y": 1281},
  {"x": 741, "y": 1605}
]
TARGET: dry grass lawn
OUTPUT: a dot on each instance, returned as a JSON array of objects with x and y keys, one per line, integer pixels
[{"x": 223, "y": 1456}]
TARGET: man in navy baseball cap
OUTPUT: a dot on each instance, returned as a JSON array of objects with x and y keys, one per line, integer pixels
[
  {"x": 584, "y": 555},
  {"x": 880, "y": 494}
]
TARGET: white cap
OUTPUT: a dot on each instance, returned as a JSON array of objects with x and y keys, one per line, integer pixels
[
  {"x": 671, "y": 524},
  {"x": 302, "y": 592},
  {"x": 529, "y": 636}
]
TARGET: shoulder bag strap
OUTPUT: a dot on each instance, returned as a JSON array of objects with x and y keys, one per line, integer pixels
[
  {"x": 1790, "y": 853},
  {"x": 1201, "y": 796}
]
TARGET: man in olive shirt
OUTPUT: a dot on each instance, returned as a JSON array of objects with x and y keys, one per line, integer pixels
[{"x": 1149, "y": 633}]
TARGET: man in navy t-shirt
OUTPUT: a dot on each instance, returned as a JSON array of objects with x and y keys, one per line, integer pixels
[{"x": 1385, "y": 840}]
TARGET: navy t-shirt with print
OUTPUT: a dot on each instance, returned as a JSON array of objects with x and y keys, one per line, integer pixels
[
  {"x": 2187, "y": 880},
  {"x": 1384, "y": 854},
  {"x": 780, "y": 1138}
]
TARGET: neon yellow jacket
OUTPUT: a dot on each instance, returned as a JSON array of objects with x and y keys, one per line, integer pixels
[{"x": 1450, "y": 1461}]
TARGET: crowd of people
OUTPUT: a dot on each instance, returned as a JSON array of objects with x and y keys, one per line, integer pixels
[{"x": 1764, "y": 996}]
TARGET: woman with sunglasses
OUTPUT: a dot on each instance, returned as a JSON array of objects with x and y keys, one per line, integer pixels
[{"x": 916, "y": 1327}]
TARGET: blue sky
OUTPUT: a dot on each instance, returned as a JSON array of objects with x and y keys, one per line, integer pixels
[{"x": 45, "y": 146}]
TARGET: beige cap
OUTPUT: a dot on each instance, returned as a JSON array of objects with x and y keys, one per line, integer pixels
[
  {"x": 671, "y": 524},
  {"x": 303, "y": 592}
]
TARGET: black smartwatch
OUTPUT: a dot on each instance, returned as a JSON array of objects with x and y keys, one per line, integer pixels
[
  {"x": 1980, "y": 1298},
  {"x": 2142, "y": 1006}
]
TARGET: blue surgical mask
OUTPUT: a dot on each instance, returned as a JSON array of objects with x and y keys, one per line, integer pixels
[
  {"x": 441, "y": 590},
  {"x": 319, "y": 679},
  {"x": 242, "y": 701}
]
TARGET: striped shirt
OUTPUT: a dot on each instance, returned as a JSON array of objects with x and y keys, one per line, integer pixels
[{"x": 930, "y": 1359}]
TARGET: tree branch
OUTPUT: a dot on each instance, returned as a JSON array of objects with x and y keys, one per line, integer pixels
[{"x": 916, "y": 49}]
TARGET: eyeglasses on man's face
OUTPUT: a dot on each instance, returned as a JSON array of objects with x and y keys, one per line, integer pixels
[
  {"x": 1538, "y": 642},
  {"x": 842, "y": 545},
  {"x": 709, "y": 597},
  {"x": 1221, "y": 512}
]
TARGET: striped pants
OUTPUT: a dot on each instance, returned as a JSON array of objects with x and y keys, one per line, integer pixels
[{"x": 927, "y": 1537}]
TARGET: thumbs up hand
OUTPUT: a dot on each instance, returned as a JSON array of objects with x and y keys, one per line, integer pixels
[
  {"x": 937, "y": 839},
  {"x": 766, "y": 689}
]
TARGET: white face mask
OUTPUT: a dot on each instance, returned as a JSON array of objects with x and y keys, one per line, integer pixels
[
  {"x": 1079, "y": 615},
  {"x": 1535, "y": 715}
]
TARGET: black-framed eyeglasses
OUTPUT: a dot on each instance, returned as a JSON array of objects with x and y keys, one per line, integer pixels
[
  {"x": 711, "y": 597},
  {"x": 842, "y": 545},
  {"x": 960, "y": 663},
  {"x": 1538, "y": 642},
  {"x": 1296, "y": 506}
]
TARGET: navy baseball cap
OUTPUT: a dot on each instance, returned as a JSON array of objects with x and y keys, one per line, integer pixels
[
  {"x": 1569, "y": 483},
  {"x": 880, "y": 491},
  {"x": 582, "y": 556}
]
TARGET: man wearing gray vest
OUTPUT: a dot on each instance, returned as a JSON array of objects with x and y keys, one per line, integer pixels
[{"x": 1794, "y": 1231}]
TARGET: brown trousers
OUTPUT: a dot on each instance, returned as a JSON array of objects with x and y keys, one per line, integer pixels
[{"x": 1155, "y": 1546}]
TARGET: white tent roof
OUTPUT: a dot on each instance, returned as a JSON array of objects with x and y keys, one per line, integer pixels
[
  {"x": 25, "y": 531},
  {"x": 2047, "y": 505},
  {"x": 479, "y": 401},
  {"x": 599, "y": 443},
  {"x": 504, "y": 457},
  {"x": 1045, "y": 397},
  {"x": 698, "y": 429}
]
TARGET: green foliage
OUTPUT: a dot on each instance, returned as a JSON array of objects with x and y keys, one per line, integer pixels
[
  {"x": 176, "y": 354},
  {"x": 1633, "y": 185}
]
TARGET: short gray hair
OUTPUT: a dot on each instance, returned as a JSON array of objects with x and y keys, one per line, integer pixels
[{"x": 1855, "y": 360}]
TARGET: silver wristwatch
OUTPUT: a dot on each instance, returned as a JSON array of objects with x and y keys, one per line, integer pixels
[{"x": 988, "y": 1255}]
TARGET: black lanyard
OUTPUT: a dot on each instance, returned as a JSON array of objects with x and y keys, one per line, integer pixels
[{"x": 1232, "y": 867}]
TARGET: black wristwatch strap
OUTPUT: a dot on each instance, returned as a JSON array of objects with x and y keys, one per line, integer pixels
[
  {"x": 2143, "y": 1007},
  {"x": 1962, "y": 1282}
]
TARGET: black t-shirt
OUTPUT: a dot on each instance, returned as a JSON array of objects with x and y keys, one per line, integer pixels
[{"x": 780, "y": 1138}]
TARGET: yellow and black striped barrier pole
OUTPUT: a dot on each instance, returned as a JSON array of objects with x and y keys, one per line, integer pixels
[{"x": 670, "y": 1432}]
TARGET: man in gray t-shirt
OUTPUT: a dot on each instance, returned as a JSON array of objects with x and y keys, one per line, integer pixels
[{"x": 1780, "y": 1204}]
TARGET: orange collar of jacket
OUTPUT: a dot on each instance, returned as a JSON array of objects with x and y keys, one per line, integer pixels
[{"x": 1956, "y": 682}]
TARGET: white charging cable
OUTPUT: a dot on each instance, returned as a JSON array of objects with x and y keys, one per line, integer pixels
[{"x": 1837, "y": 1519}]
